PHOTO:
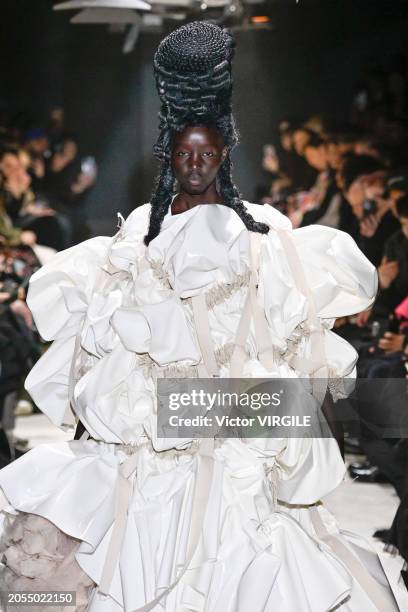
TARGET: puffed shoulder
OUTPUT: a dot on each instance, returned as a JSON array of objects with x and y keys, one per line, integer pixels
[
  {"x": 314, "y": 269},
  {"x": 64, "y": 287},
  {"x": 128, "y": 246},
  {"x": 341, "y": 280},
  {"x": 138, "y": 219},
  {"x": 269, "y": 215}
]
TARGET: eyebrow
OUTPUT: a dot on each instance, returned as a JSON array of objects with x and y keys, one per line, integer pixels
[{"x": 203, "y": 146}]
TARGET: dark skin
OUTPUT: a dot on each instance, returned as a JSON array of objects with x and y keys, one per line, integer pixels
[{"x": 196, "y": 157}]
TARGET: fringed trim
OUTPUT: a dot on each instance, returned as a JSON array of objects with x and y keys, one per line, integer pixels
[
  {"x": 272, "y": 477},
  {"x": 337, "y": 386},
  {"x": 300, "y": 333},
  {"x": 160, "y": 273},
  {"x": 223, "y": 356},
  {"x": 216, "y": 295},
  {"x": 223, "y": 291}
]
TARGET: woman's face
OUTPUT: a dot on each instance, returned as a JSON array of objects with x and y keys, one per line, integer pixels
[
  {"x": 316, "y": 157},
  {"x": 355, "y": 196},
  {"x": 196, "y": 157},
  {"x": 300, "y": 140}
]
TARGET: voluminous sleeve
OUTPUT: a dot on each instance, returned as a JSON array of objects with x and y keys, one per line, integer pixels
[
  {"x": 309, "y": 277},
  {"x": 64, "y": 301},
  {"x": 87, "y": 372}
]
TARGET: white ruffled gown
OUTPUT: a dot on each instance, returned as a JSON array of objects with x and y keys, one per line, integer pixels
[{"x": 119, "y": 315}]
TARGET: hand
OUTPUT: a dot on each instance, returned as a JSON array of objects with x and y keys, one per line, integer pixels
[
  {"x": 38, "y": 167},
  {"x": 270, "y": 162},
  {"x": 83, "y": 182},
  {"x": 387, "y": 272},
  {"x": 39, "y": 211},
  {"x": 368, "y": 226},
  {"x": 20, "y": 308},
  {"x": 362, "y": 318},
  {"x": 340, "y": 322},
  {"x": 4, "y": 296},
  {"x": 21, "y": 293},
  {"x": 391, "y": 343},
  {"x": 28, "y": 238}
]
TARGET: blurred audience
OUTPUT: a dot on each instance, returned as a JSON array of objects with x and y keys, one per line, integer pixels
[
  {"x": 354, "y": 177},
  {"x": 43, "y": 180}
]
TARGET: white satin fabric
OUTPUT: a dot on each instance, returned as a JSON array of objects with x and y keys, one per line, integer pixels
[{"x": 121, "y": 310}]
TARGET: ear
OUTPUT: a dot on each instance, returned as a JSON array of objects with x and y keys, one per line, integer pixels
[{"x": 224, "y": 153}]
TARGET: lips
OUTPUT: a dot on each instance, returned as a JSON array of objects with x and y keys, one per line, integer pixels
[{"x": 194, "y": 178}]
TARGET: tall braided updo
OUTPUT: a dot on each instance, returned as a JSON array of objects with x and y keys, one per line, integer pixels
[{"x": 193, "y": 78}]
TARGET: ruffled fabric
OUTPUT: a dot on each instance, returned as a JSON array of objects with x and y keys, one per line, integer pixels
[
  {"x": 114, "y": 299},
  {"x": 159, "y": 510},
  {"x": 251, "y": 550},
  {"x": 122, "y": 315}
]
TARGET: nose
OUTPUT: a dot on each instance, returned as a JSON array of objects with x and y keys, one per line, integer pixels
[{"x": 195, "y": 160}]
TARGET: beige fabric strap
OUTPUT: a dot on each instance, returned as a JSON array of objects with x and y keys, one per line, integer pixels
[
  {"x": 318, "y": 359},
  {"x": 356, "y": 568},
  {"x": 252, "y": 311},
  {"x": 69, "y": 416},
  {"x": 262, "y": 333},
  {"x": 202, "y": 326},
  {"x": 123, "y": 496},
  {"x": 316, "y": 365},
  {"x": 239, "y": 354}
]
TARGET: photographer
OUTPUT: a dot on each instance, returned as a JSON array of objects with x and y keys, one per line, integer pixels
[{"x": 364, "y": 179}]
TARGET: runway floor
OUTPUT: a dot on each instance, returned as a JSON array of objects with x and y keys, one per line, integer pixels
[{"x": 358, "y": 507}]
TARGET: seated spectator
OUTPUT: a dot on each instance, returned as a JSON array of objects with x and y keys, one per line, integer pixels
[
  {"x": 324, "y": 196},
  {"x": 36, "y": 146},
  {"x": 393, "y": 271},
  {"x": 19, "y": 208},
  {"x": 373, "y": 221},
  {"x": 305, "y": 174},
  {"x": 66, "y": 181},
  {"x": 18, "y": 350}
]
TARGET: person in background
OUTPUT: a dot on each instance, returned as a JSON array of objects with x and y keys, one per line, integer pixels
[
  {"x": 67, "y": 180},
  {"x": 20, "y": 209},
  {"x": 36, "y": 145},
  {"x": 364, "y": 180},
  {"x": 393, "y": 278},
  {"x": 305, "y": 174},
  {"x": 324, "y": 200}
]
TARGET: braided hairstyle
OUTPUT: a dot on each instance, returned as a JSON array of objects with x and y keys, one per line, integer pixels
[{"x": 193, "y": 78}]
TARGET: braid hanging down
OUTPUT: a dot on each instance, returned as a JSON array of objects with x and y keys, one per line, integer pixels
[{"x": 193, "y": 78}]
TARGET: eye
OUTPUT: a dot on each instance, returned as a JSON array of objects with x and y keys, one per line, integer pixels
[
  {"x": 209, "y": 154},
  {"x": 182, "y": 153}
]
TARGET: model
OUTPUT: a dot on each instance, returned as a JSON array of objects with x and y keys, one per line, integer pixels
[{"x": 197, "y": 283}]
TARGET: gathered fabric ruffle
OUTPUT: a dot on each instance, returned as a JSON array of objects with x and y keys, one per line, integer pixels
[
  {"x": 119, "y": 304},
  {"x": 123, "y": 316},
  {"x": 253, "y": 554}
]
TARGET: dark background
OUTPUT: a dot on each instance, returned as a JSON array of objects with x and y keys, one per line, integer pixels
[{"x": 309, "y": 63}]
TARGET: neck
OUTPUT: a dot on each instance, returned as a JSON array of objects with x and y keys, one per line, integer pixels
[{"x": 184, "y": 201}]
